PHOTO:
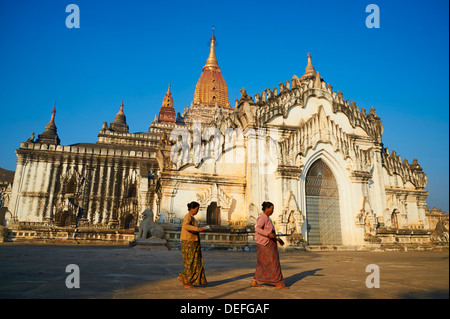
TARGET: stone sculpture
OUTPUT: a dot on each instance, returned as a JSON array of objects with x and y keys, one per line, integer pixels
[
  {"x": 440, "y": 234},
  {"x": 148, "y": 228},
  {"x": 151, "y": 234}
]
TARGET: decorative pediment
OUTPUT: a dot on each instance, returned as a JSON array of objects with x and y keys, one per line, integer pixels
[
  {"x": 320, "y": 128},
  {"x": 215, "y": 194}
]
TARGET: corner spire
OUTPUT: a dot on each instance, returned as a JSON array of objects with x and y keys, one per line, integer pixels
[
  {"x": 317, "y": 81},
  {"x": 309, "y": 71},
  {"x": 120, "y": 121},
  {"x": 168, "y": 99},
  {"x": 50, "y": 135},
  {"x": 167, "y": 111}
]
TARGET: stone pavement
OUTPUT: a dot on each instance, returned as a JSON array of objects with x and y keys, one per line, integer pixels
[{"x": 38, "y": 271}]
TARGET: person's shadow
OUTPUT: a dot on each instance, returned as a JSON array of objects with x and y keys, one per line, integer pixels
[
  {"x": 224, "y": 281},
  {"x": 289, "y": 281}
]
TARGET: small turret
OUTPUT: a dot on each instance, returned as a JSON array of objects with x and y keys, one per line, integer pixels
[
  {"x": 167, "y": 112},
  {"x": 120, "y": 121},
  {"x": 50, "y": 135}
]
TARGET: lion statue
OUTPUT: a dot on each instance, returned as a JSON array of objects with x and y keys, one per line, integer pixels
[
  {"x": 148, "y": 228},
  {"x": 440, "y": 234}
]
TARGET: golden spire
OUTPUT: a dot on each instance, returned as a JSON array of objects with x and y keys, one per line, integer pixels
[
  {"x": 211, "y": 62},
  {"x": 211, "y": 88},
  {"x": 168, "y": 100},
  {"x": 167, "y": 111}
]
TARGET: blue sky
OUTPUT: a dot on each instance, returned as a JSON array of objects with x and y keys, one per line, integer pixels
[{"x": 132, "y": 49}]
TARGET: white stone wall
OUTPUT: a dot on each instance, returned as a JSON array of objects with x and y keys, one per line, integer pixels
[{"x": 102, "y": 184}]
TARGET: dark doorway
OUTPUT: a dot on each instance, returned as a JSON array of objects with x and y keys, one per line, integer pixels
[
  {"x": 65, "y": 219},
  {"x": 213, "y": 214},
  {"x": 71, "y": 187},
  {"x": 129, "y": 222},
  {"x": 394, "y": 219}
]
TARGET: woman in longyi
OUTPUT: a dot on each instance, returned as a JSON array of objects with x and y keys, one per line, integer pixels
[
  {"x": 194, "y": 273},
  {"x": 268, "y": 260}
]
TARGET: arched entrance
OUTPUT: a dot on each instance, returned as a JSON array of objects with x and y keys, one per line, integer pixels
[
  {"x": 213, "y": 214},
  {"x": 394, "y": 219},
  {"x": 65, "y": 219},
  {"x": 322, "y": 206},
  {"x": 129, "y": 221}
]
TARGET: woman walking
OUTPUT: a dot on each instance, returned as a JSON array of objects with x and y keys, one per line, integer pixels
[
  {"x": 269, "y": 268},
  {"x": 194, "y": 273}
]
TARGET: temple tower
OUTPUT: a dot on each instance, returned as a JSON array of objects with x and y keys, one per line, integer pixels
[
  {"x": 50, "y": 135},
  {"x": 167, "y": 111}
]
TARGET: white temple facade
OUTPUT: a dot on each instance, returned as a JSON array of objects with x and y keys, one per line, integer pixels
[{"x": 318, "y": 158}]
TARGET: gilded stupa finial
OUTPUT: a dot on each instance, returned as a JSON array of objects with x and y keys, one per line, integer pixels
[
  {"x": 211, "y": 62},
  {"x": 213, "y": 37}
]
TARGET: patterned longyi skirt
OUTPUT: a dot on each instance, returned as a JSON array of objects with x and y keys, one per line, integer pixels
[
  {"x": 194, "y": 273},
  {"x": 268, "y": 260}
]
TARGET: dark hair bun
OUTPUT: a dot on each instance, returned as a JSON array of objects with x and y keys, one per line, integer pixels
[
  {"x": 193, "y": 205},
  {"x": 266, "y": 205}
]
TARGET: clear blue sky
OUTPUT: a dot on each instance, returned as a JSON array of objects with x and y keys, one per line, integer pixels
[{"x": 133, "y": 49}]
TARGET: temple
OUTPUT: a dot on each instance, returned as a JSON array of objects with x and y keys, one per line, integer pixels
[{"x": 317, "y": 156}]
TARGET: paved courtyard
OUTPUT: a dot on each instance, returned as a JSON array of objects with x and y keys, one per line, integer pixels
[{"x": 38, "y": 271}]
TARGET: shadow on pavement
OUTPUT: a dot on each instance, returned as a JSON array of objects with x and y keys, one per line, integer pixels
[
  {"x": 224, "y": 281},
  {"x": 289, "y": 281}
]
